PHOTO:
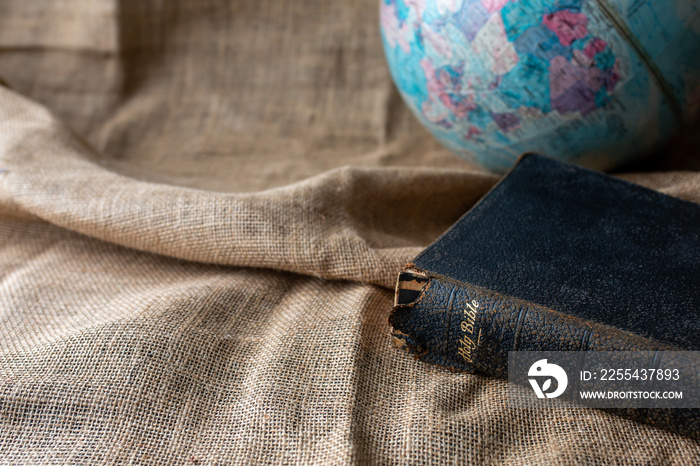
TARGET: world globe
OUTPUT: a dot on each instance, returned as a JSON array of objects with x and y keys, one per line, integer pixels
[{"x": 598, "y": 83}]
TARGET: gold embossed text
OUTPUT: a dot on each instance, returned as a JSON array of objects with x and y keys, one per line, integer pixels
[{"x": 466, "y": 343}]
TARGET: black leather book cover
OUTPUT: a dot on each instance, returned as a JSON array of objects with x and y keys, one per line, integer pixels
[{"x": 555, "y": 258}]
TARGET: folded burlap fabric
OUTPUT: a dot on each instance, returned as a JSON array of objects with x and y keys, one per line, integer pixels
[{"x": 203, "y": 209}]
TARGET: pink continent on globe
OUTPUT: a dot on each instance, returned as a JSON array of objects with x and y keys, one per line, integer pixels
[
  {"x": 568, "y": 26},
  {"x": 394, "y": 32},
  {"x": 598, "y": 45},
  {"x": 439, "y": 86},
  {"x": 493, "y": 6}
]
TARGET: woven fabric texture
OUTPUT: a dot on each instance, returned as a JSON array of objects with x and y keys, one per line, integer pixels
[{"x": 204, "y": 205}]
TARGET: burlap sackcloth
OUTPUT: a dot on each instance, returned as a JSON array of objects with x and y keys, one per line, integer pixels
[{"x": 203, "y": 208}]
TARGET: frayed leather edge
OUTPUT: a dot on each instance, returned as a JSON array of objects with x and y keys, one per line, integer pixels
[{"x": 416, "y": 282}]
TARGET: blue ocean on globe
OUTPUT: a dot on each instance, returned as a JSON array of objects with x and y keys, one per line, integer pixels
[{"x": 594, "y": 82}]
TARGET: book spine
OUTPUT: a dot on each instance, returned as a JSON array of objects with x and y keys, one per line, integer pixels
[{"x": 468, "y": 328}]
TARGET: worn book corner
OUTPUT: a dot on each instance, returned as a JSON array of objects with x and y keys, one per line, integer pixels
[{"x": 410, "y": 286}]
